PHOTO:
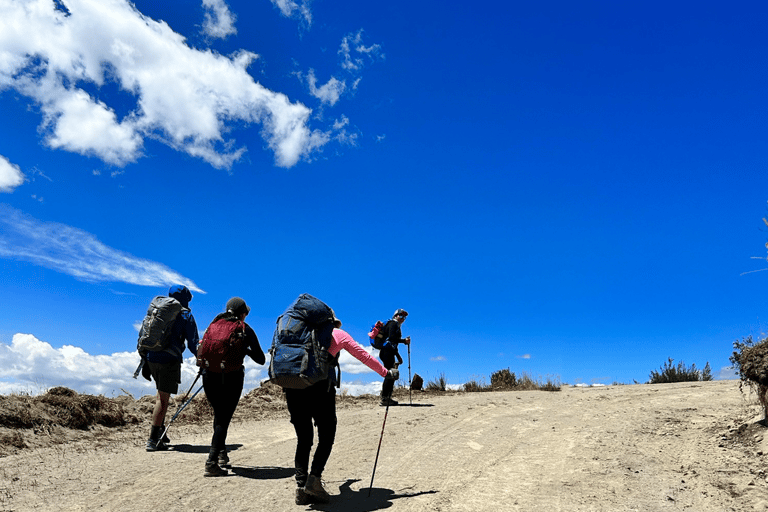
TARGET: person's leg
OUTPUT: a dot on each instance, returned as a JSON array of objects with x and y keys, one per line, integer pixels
[
  {"x": 325, "y": 420},
  {"x": 161, "y": 407},
  {"x": 214, "y": 392},
  {"x": 388, "y": 361},
  {"x": 166, "y": 377},
  {"x": 232, "y": 388},
  {"x": 324, "y": 414},
  {"x": 299, "y": 402}
]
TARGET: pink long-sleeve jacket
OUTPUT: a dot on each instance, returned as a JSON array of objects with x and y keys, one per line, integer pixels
[{"x": 342, "y": 340}]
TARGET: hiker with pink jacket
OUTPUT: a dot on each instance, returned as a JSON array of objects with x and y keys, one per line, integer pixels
[{"x": 318, "y": 403}]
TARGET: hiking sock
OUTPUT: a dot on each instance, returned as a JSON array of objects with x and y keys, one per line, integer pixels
[
  {"x": 154, "y": 434},
  {"x": 165, "y": 438}
]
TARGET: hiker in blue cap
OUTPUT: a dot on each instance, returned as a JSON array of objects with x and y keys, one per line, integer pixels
[{"x": 165, "y": 365}]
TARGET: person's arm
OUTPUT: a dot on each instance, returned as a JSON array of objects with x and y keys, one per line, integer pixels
[
  {"x": 342, "y": 340},
  {"x": 252, "y": 347},
  {"x": 191, "y": 335}
]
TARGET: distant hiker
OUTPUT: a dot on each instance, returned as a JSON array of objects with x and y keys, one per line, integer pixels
[
  {"x": 318, "y": 403},
  {"x": 389, "y": 352},
  {"x": 225, "y": 344},
  {"x": 165, "y": 364}
]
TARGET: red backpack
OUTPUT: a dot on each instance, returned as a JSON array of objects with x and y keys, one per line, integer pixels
[{"x": 222, "y": 347}]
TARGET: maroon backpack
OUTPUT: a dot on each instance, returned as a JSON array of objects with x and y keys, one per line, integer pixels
[{"x": 222, "y": 347}]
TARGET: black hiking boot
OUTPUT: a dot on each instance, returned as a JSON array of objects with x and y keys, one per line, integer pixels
[
  {"x": 213, "y": 469},
  {"x": 154, "y": 445},
  {"x": 388, "y": 401},
  {"x": 223, "y": 458}
]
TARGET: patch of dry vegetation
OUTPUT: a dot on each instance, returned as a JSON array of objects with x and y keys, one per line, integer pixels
[
  {"x": 750, "y": 360},
  {"x": 506, "y": 380}
]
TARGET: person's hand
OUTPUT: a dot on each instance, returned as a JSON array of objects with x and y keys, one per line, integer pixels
[
  {"x": 393, "y": 374},
  {"x": 407, "y": 340}
]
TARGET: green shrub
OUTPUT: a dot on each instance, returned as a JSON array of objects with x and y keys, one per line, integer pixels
[{"x": 679, "y": 373}]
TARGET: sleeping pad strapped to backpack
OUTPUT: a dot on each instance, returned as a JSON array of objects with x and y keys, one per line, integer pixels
[{"x": 300, "y": 345}]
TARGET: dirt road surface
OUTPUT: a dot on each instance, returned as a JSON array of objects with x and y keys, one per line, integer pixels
[{"x": 688, "y": 446}]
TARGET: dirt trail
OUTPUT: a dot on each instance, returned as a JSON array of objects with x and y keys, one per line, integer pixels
[{"x": 688, "y": 446}]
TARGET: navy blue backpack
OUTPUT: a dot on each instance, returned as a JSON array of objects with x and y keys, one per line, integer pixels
[{"x": 303, "y": 334}]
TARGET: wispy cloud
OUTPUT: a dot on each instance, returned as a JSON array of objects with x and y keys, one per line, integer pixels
[
  {"x": 355, "y": 54},
  {"x": 524, "y": 356},
  {"x": 328, "y": 93},
  {"x": 291, "y": 9},
  {"x": 438, "y": 358},
  {"x": 78, "y": 253},
  {"x": 10, "y": 175},
  {"x": 184, "y": 97},
  {"x": 219, "y": 21},
  {"x": 32, "y": 366}
]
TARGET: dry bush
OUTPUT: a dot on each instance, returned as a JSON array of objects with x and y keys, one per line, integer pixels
[
  {"x": 438, "y": 384},
  {"x": 750, "y": 360},
  {"x": 670, "y": 373},
  {"x": 474, "y": 386},
  {"x": 64, "y": 407},
  {"x": 503, "y": 379}
]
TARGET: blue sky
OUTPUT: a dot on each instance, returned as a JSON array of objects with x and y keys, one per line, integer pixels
[{"x": 568, "y": 190}]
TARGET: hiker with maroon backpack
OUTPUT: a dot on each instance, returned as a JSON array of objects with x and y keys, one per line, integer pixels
[
  {"x": 162, "y": 362},
  {"x": 220, "y": 356},
  {"x": 392, "y": 336}
]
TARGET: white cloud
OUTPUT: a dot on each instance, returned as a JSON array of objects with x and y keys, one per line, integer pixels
[
  {"x": 291, "y": 9},
  {"x": 524, "y": 356},
  {"x": 33, "y": 366},
  {"x": 330, "y": 92},
  {"x": 438, "y": 358},
  {"x": 184, "y": 97},
  {"x": 10, "y": 175},
  {"x": 219, "y": 21},
  {"x": 727, "y": 373},
  {"x": 355, "y": 54},
  {"x": 78, "y": 253},
  {"x": 349, "y": 364}
]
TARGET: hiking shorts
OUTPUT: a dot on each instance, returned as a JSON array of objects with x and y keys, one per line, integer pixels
[{"x": 167, "y": 376}]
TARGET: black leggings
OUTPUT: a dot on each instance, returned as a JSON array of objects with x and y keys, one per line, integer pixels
[
  {"x": 388, "y": 361},
  {"x": 317, "y": 403},
  {"x": 223, "y": 392}
]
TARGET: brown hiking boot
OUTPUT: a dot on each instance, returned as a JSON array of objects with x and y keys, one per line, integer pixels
[
  {"x": 302, "y": 498},
  {"x": 315, "y": 489},
  {"x": 213, "y": 469}
]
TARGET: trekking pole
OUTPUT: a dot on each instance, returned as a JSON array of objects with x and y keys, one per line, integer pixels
[
  {"x": 379, "y": 449},
  {"x": 138, "y": 370},
  {"x": 185, "y": 402},
  {"x": 375, "y": 462},
  {"x": 410, "y": 384}
]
